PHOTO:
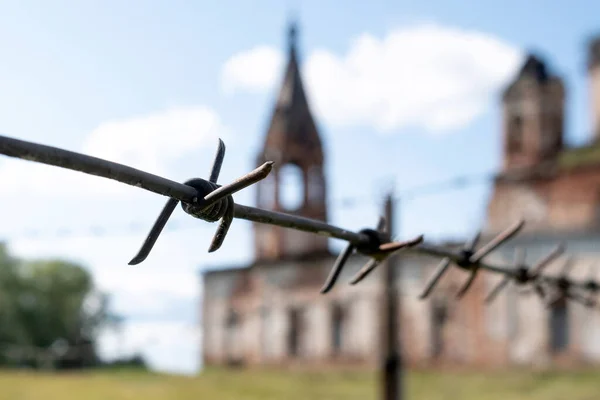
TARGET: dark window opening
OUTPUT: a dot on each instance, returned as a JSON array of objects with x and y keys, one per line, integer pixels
[
  {"x": 337, "y": 328},
  {"x": 232, "y": 319},
  {"x": 559, "y": 326},
  {"x": 265, "y": 331},
  {"x": 439, "y": 316},
  {"x": 316, "y": 185},
  {"x": 232, "y": 339},
  {"x": 515, "y": 135},
  {"x": 295, "y": 332},
  {"x": 558, "y": 138}
]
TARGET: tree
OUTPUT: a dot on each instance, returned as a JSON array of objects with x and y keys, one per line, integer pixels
[
  {"x": 9, "y": 331},
  {"x": 50, "y": 312}
]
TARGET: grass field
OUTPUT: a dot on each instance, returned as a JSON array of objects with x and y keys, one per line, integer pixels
[{"x": 216, "y": 384}]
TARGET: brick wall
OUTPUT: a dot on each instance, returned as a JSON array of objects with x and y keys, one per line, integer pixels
[{"x": 567, "y": 202}]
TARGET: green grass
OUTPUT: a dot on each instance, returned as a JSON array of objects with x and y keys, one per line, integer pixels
[{"x": 218, "y": 384}]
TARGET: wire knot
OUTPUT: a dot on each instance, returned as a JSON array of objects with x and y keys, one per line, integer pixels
[
  {"x": 212, "y": 203},
  {"x": 375, "y": 240},
  {"x": 209, "y": 212},
  {"x": 377, "y": 246}
]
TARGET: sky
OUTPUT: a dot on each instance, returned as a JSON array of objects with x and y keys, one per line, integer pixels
[{"x": 405, "y": 93}]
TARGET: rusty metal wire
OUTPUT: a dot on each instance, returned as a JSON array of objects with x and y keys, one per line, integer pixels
[
  {"x": 201, "y": 199},
  {"x": 209, "y": 201}
]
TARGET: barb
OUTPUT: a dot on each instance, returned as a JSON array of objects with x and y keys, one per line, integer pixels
[
  {"x": 211, "y": 202},
  {"x": 216, "y": 204},
  {"x": 468, "y": 259},
  {"x": 526, "y": 275},
  {"x": 583, "y": 292},
  {"x": 592, "y": 287},
  {"x": 379, "y": 248}
]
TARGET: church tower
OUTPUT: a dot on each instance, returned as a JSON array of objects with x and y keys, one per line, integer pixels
[
  {"x": 533, "y": 108},
  {"x": 293, "y": 143}
]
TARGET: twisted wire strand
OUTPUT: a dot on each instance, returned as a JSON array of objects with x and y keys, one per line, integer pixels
[{"x": 211, "y": 202}]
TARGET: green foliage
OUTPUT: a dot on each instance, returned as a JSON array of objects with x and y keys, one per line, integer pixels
[
  {"x": 578, "y": 157},
  {"x": 135, "y": 362},
  {"x": 45, "y": 302}
]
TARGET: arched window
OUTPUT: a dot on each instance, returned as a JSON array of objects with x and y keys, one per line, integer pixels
[
  {"x": 515, "y": 134},
  {"x": 559, "y": 326},
  {"x": 558, "y": 124},
  {"x": 295, "y": 332},
  {"x": 291, "y": 187},
  {"x": 232, "y": 338},
  {"x": 439, "y": 317},
  {"x": 266, "y": 330},
  {"x": 338, "y": 327},
  {"x": 316, "y": 185},
  {"x": 232, "y": 319}
]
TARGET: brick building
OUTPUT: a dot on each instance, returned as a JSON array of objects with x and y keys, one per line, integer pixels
[
  {"x": 556, "y": 189},
  {"x": 270, "y": 312}
]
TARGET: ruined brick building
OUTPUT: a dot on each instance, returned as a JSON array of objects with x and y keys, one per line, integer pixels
[
  {"x": 556, "y": 188},
  {"x": 270, "y": 312},
  {"x": 267, "y": 312}
]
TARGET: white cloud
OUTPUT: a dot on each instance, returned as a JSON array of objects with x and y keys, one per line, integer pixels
[
  {"x": 149, "y": 142},
  {"x": 149, "y": 293},
  {"x": 429, "y": 76},
  {"x": 255, "y": 69},
  {"x": 133, "y": 281}
]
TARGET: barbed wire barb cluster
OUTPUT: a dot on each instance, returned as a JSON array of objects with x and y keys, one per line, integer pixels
[
  {"x": 211, "y": 202},
  {"x": 524, "y": 274},
  {"x": 379, "y": 248},
  {"x": 216, "y": 205}
]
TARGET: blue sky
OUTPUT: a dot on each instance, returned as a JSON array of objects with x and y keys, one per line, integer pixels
[{"x": 403, "y": 91}]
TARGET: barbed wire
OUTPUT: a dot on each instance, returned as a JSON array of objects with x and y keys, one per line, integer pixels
[
  {"x": 209, "y": 201},
  {"x": 347, "y": 202}
]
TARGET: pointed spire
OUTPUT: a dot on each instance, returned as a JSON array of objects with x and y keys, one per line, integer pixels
[
  {"x": 292, "y": 111},
  {"x": 535, "y": 68},
  {"x": 292, "y": 90},
  {"x": 292, "y": 35}
]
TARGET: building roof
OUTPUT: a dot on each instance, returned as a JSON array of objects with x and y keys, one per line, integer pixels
[
  {"x": 534, "y": 68},
  {"x": 292, "y": 90},
  {"x": 594, "y": 52}
]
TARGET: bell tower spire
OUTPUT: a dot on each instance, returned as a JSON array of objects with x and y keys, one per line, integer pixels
[
  {"x": 292, "y": 34},
  {"x": 533, "y": 114},
  {"x": 293, "y": 143}
]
